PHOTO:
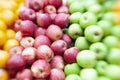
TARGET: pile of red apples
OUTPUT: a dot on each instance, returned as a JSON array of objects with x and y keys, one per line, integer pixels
[{"x": 44, "y": 45}]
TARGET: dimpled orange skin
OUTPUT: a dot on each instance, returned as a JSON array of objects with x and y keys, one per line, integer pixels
[{"x": 4, "y": 75}]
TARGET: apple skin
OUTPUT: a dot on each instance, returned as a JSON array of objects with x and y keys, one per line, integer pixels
[
  {"x": 39, "y": 31},
  {"x": 100, "y": 49},
  {"x": 114, "y": 56},
  {"x": 86, "y": 59},
  {"x": 75, "y": 31},
  {"x": 87, "y": 19},
  {"x": 115, "y": 31},
  {"x": 18, "y": 36},
  {"x": 72, "y": 68},
  {"x": 41, "y": 40},
  {"x": 59, "y": 76},
  {"x": 93, "y": 33},
  {"x": 45, "y": 52},
  {"x": 56, "y": 3},
  {"x": 17, "y": 25},
  {"x": 50, "y": 9},
  {"x": 63, "y": 9},
  {"x": 43, "y": 19},
  {"x": 73, "y": 77},
  {"x": 70, "y": 54},
  {"x": 57, "y": 62},
  {"x": 59, "y": 46},
  {"x": 91, "y": 74},
  {"x": 81, "y": 43},
  {"x": 52, "y": 16},
  {"x": 40, "y": 69},
  {"x": 54, "y": 32},
  {"x": 103, "y": 78}
]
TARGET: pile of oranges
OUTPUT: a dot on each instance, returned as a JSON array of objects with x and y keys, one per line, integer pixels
[{"x": 8, "y": 15}]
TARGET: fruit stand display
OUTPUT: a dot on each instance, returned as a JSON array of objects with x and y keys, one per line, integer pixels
[{"x": 59, "y": 40}]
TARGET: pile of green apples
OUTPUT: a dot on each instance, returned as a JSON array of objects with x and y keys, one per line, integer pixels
[{"x": 95, "y": 34}]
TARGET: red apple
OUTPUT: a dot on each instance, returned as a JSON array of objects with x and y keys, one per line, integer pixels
[
  {"x": 29, "y": 54},
  {"x": 27, "y": 27},
  {"x": 16, "y": 50},
  {"x": 43, "y": 20},
  {"x": 45, "y": 52},
  {"x": 57, "y": 62},
  {"x": 54, "y": 32},
  {"x": 36, "y": 4},
  {"x": 39, "y": 31},
  {"x": 62, "y": 20},
  {"x": 56, "y": 3},
  {"x": 63, "y": 9},
  {"x": 27, "y": 14},
  {"x": 17, "y": 25},
  {"x": 40, "y": 69},
  {"x": 59, "y": 46},
  {"x": 52, "y": 16},
  {"x": 25, "y": 74},
  {"x": 41, "y": 40},
  {"x": 50, "y": 9},
  {"x": 18, "y": 35},
  {"x": 56, "y": 74},
  {"x": 70, "y": 54},
  {"x": 27, "y": 42},
  {"x": 46, "y": 2}
]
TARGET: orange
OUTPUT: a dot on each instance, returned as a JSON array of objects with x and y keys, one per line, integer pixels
[
  {"x": 10, "y": 43},
  {"x": 3, "y": 38},
  {"x": 10, "y": 33},
  {"x": 4, "y": 75},
  {"x": 4, "y": 55},
  {"x": 3, "y": 26}
]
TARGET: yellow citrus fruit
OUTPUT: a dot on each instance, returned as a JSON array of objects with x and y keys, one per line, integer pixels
[
  {"x": 117, "y": 18},
  {"x": 3, "y": 38},
  {"x": 4, "y": 55},
  {"x": 10, "y": 33},
  {"x": 4, "y": 75},
  {"x": 3, "y": 26},
  {"x": 18, "y": 1},
  {"x": 10, "y": 43}
]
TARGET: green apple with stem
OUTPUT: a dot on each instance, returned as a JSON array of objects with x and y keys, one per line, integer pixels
[
  {"x": 73, "y": 77},
  {"x": 88, "y": 74},
  {"x": 100, "y": 49},
  {"x": 81, "y": 43},
  {"x": 93, "y": 33},
  {"x": 75, "y": 31},
  {"x": 72, "y": 68},
  {"x": 86, "y": 59},
  {"x": 87, "y": 19},
  {"x": 115, "y": 31}
]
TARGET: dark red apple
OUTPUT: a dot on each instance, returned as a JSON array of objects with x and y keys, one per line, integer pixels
[
  {"x": 27, "y": 14},
  {"x": 57, "y": 62},
  {"x": 25, "y": 74},
  {"x": 56, "y": 74},
  {"x": 16, "y": 50},
  {"x": 52, "y": 16},
  {"x": 62, "y": 20},
  {"x": 36, "y": 4},
  {"x": 29, "y": 54},
  {"x": 59, "y": 46},
  {"x": 41, "y": 40},
  {"x": 17, "y": 25},
  {"x": 56, "y": 3},
  {"x": 27, "y": 27},
  {"x": 40, "y": 69},
  {"x": 39, "y": 31},
  {"x": 50, "y": 9},
  {"x": 43, "y": 20},
  {"x": 46, "y": 2},
  {"x": 45, "y": 52},
  {"x": 63, "y": 9},
  {"x": 70, "y": 54},
  {"x": 54, "y": 32}
]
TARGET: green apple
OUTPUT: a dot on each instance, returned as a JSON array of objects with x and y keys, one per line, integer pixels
[
  {"x": 111, "y": 41},
  {"x": 87, "y": 18},
  {"x": 72, "y": 68},
  {"x": 113, "y": 72},
  {"x": 73, "y": 77},
  {"x": 86, "y": 59},
  {"x": 103, "y": 78},
  {"x": 76, "y": 6},
  {"x": 108, "y": 5},
  {"x": 81, "y": 43},
  {"x": 75, "y": 17},
  {"x": 69, "y": 2},
  {"x": 101, "y": 67},
  {"x": 100, "y": 49},
  {"x": 93, "y": 33},
  {"x": 115, "y": 31},
  {"x": 75, "y": 31},
  {"x": 89, "y": 3},
  {"x": 114, "y": 56},
  {"x": 88, "y": 74},
  {"x": 106, "y": 26}
]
